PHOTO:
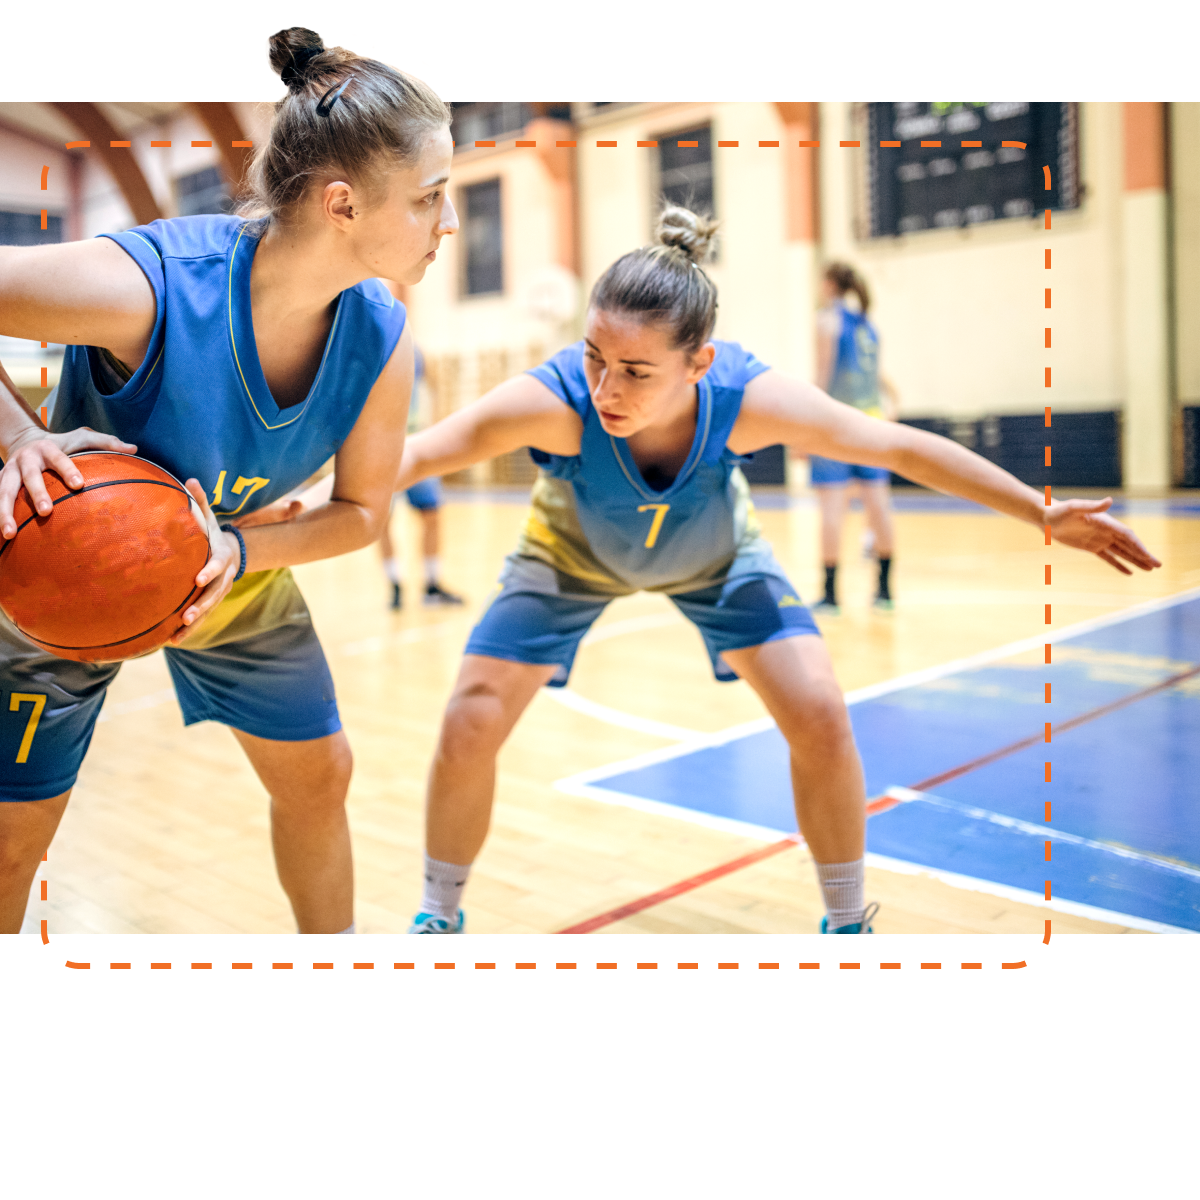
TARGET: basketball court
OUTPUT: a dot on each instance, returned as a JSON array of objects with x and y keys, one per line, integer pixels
[
  {"x": 645, "y": 773},
  {"x": 645, "y": 797}
]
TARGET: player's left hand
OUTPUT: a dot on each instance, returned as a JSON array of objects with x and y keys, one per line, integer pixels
[
  {"x": 1086, "y": 525},
  {"x": 217, "y": 576}
]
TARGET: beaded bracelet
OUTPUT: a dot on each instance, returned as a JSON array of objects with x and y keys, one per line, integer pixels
[{"x": 237, "y": 533}]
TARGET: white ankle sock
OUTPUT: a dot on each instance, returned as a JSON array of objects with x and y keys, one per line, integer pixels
[
  {"x": 349, "y": 929},
  {"x": 444, "y": 884},
  {"x": 391, "y": 568},
  {"x": 431, "y": 568},
  {"x": 842, "y": 887}
]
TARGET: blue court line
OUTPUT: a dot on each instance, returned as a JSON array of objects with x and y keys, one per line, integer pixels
[{"x": 1126, "y": 825}]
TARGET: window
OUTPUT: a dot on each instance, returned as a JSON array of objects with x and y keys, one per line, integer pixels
[
  {"x": 483, "y": 236},
  {"x": 953, "y": 182},
  {"x": 202, "y": 192},
  {"x": 685, "y": 171},
  {"x": 487, "y": 122},
  {"x": 25, "y": 229}
]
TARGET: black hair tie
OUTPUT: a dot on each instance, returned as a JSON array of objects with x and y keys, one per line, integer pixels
[
  {"x": 325, "y": 103},
  {"x": 294, "y": 71}
]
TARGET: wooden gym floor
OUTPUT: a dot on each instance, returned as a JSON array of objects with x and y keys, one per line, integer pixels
[{"x": 167, "y": 829}]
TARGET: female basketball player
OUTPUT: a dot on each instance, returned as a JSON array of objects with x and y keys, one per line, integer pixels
[
  {"x": 848, "y": 370},
  {"x": 239, "y": 354},
  {"x": 638, "y": 429}
]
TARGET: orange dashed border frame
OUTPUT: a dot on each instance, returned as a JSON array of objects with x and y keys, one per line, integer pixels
[
  {"x": 726, "y": 868},
  {"x": 1046, "y": 935},
  {"x": 558, "y": 966}
]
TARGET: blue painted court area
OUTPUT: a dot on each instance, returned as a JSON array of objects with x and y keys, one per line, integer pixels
[{"x": 1125, "y": 789}]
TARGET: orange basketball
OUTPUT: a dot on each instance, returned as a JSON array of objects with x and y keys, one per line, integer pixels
[{"x": 108, "y": 574}]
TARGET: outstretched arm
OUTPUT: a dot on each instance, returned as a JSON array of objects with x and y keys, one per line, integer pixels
[
  {"x": 776, "y": 409},
  {"x": 522, "y": 411}
]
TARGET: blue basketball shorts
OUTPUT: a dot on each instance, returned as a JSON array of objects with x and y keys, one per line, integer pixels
[
  {"x": 425, "y": 495},
  {"x": 273, "y": 684},
  {"x": 537, "y": 616},
  {"x": 828, "y": 472}
]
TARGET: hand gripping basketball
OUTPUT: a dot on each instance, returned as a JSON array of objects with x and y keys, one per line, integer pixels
[
  {"x": 1086, "y": 525},
  {"x": 217, "y": 576},
  {"x": 35, "y": 452}
]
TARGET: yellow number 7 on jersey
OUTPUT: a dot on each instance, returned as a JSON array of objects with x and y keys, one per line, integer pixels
[
  {"x": 14, "y": 705},
  {"x": 660, "y": 511}
]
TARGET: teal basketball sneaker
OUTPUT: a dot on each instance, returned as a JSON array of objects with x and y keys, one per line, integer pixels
[
  {"x": 863, "y": 926},
  {"x": 428, "y": 923}
]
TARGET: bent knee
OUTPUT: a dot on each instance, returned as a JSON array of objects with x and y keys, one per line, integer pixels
[
  {"x": 820, "y": 718},
  {"x": 474, "y": 720}
]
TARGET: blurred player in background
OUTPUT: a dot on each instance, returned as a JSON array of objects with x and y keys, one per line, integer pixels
[
  {"x": 848, "y": 370},
  {"x": 425, "y": 498}
]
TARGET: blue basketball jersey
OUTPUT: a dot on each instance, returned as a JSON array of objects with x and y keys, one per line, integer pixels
[
  {"x": 199, "y": 404},
  {"x": 856, "y": 369},
  {"x": 597, "y": 520}
]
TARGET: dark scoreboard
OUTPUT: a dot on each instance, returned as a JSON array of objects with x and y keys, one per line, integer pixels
[{"x": 963, "y": 164}]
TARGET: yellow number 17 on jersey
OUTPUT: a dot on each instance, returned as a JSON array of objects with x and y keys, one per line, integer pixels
[{"x": 660, "y": 511}]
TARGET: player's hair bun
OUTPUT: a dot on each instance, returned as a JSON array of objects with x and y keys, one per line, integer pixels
[
  {"x": 343, "y": 113},
  {"x": 664, "y": 283},
  {"x": 292, "y": 52},
  {"x": 685, "y": 230}
]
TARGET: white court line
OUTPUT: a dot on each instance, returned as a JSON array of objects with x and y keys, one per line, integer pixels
[
  {"x": 858, "y": 695},
  {"x": 585, "y": 783},
  {"x": 587, "y": 791},
  {"x": 614, "y": 716},
  {"x": 1041, "y": 832},
  {"x": 967, "y": 883}
]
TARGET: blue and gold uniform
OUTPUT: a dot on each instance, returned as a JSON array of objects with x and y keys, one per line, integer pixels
[
  {"x": 199, "y": 406},
  {"x": 855, "y": 382},
  {"x": 597, "y": 530}
]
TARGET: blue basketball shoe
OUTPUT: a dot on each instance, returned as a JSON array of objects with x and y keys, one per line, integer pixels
[
  {"x": 428, "y": 923},
  {"x": 863, "y": 926}
]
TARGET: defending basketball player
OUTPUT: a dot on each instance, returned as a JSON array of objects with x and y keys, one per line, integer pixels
[
  {"x": 240, "y": 354},
  {"x": 638, "y": 429}
]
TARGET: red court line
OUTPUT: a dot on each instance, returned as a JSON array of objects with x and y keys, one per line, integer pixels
[
  {"x": 684, "y": 885},
  {"x": 881, "y": 804},
  {"x": 984, "y": 760},
  {"x": 695, "y": 881}
]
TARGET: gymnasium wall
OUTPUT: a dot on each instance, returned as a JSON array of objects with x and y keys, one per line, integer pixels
[
  {"x": 1185, "y": 189},
  {"x": 446, "y": 320},
  {"x": 961, "y": 311},
  {"x": 21, "y": 162},
  {"x": 765, "y": 281}
]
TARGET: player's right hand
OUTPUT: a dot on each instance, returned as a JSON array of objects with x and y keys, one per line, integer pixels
[
  {"x": 216, "y": 576},
  {"x": 35, "y": 452}
]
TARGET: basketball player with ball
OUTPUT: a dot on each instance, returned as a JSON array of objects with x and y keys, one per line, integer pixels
[{"x": 236, "y": 354}]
